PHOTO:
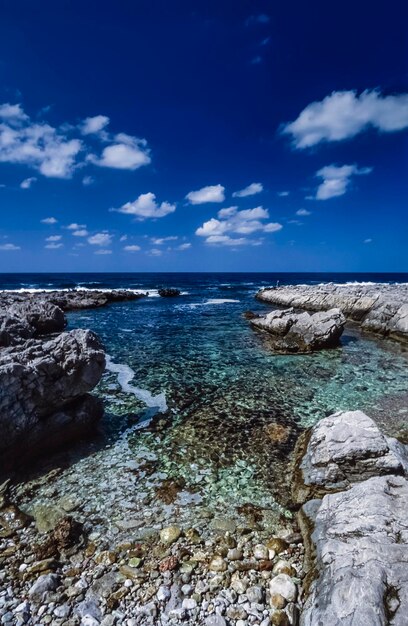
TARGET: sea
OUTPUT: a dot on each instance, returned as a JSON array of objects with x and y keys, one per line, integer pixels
[{"x": 201, "y": 417}]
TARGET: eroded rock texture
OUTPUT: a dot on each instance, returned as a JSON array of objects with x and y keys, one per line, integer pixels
[
  {"x": 356, "y": 529},
  {"x": 301, "y": 332},
  {"x": 379, "y": 308}
]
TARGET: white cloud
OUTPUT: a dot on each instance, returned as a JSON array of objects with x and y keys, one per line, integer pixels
[
  {"x": 49, "y": 220},
  {"x": 56, "y": 152},
  {"x": 9, "y": 247},
  {"x": 37, "y": 145},
  {"x": 251, "y": 190},
  {"x": 155, "y": 252},
  {"x": 303, "y": 212},
  {"x": 211, "y": 193},
  {"x": 226, "y": 240},
  {"x": 27, "y": 182},
  {"x": 132, "y": 248},
  {"x": 125, "y": 153},
  {"x": 100, "y": 239},
  {"x": 53, "y": 238},
  {"x": 336, "y": 179},
  {"x": 158, "y": 241},
  {"x": 75, "y": 226},
  {"x": 12, "y": 112},
  {"x": 81, "y": 232},
  {"x": 123, "y": 238},
  {"x": 283, "y": 194},
  {"x": 344, "y": 114},
  {"x": 53, "y": 246},
  {"x": 368, "y": 240},
  {"x": 145, "y": 207},
  {"x": 184, "y": 246},
  {"x": 233, "y": 221},
  {"x": 87, "y": 180},
  {"x": 103, "y": 251},
  {"x": 93, "y": 125}
]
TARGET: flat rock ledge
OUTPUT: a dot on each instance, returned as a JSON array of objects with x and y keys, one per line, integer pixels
[
  {"x": 292, "y": 332},
  {"x": 351, "y": 483},
  {"x": 379, "y": 308},
  {"x": 45, "y": 379}
]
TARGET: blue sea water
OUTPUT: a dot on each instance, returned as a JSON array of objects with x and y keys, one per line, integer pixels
[{"x": 192, "y": 391}]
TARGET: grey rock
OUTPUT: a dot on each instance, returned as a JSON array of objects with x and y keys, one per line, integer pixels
[
  {"x": 40, "y": 384},
  {"x": 379, "y": 308},
  {"x": 255, "y": 594},
  {"x": 342, "y": 449},
  {"x": 215, "y": 620},
  {"x": 361, "y": 554},
  {"x": 43, "y": 585},
  {"x": 289, "y": 331},
  {"x": 23, "y": 320}
]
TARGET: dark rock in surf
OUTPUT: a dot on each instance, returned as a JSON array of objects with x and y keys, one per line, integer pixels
[{"x": 169, "y": 292}]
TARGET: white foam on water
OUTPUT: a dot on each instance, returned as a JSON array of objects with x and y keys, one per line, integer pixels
[
  {"x": 220, "y": 301},
  {"x": 125, "y": 375}
]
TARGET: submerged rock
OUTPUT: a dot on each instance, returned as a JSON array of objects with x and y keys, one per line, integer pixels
[
  {"x": 302, "y": 332},
  {"x": 355, "y": 532}
]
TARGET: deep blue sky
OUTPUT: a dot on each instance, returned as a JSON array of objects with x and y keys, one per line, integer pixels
[{"x": 209, "y": 85}]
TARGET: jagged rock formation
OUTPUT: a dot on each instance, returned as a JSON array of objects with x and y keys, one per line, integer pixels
[
  {"x": 379, "y": 308},
  {"x": 169, "y": 292},
  {"x": 43, "y": 387},
  {"x": 302, "y": 332},
  {"x": 352, "y": 483},
  {"x": 23, "y": 320}
]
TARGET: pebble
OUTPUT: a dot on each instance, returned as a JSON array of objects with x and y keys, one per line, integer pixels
[
  {"x": 217, "y": 564},
  {"x": 261, "y": 552},
  {"x": 170, "y": 534},
  {"x": 282, "y": 586},
  {"x": 255, "y": 594},
  {"x": 215, "y": 620}
]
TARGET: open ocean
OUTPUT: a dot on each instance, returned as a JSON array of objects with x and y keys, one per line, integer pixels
[{"x": 192, "y": 388}]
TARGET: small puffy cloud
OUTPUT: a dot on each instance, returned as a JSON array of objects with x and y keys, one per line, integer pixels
[
  {"x": 27, "y": 182},
  {"x": 93, "y": 125},
  {"x": 368, "y": 240},
  {"x": 49, "y": 220},
  {"x": 123, "y": 238},
  {"x": 158, "y": 241},
  {"x": 211, "y": 193},
  {"x": 283, "y": 194},
  {"x": 103, "y": 251},
  {"x": 125, "y": 153},
  {"x": 100, "y": 239},
  {"x": 184, "y": 246},
  {"x": 231, "y": 221},
  {"x": 344, "y": 114},
  {"x": 251, "y": 190},
  {"x": 53, "y": 245},
  {"x": 12, "y": 113},
  {"x": 146, "y": 207},
  {"x": 53, "y": 238},
  {"x": 155, "y": 252},
  {"x": 75, "y": 226},
  {"x": 336, "y": 180},
  {"x": 9, "y": 247},
  {"x": 303, "y": 212},
  {"x": 87, "y": 180},
  {"x": 132, "y": 248},
  {"x": 81, "y": 232},
  {"x": 226, "y": 240}
]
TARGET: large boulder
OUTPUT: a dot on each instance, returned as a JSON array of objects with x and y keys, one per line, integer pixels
[
  {"x": 352, "y": 481},
  {"x": 342, "y": 449},
  {"x": 23, "y": 320},
  {"x": 43, "y": 387},
  {"x": 301, "y": 332}
]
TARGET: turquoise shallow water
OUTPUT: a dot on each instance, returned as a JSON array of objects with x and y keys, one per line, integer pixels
[{"x": 234, "y": 412}]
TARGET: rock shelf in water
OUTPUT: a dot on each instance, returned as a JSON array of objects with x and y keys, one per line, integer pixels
[
  {"x": 352, "y": 483},
  {"x": 301, "y": 332},
  {"x": 379, "y": 308}
]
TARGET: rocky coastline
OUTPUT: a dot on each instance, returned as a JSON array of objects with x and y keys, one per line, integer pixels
[
  {"x": 342, "y": 561},
  {"x": 46, "y": 374},
  {"x": 378, "y": 308}
]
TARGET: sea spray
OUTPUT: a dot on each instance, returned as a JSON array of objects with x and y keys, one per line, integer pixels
[{"x": 125, "y": 375}]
